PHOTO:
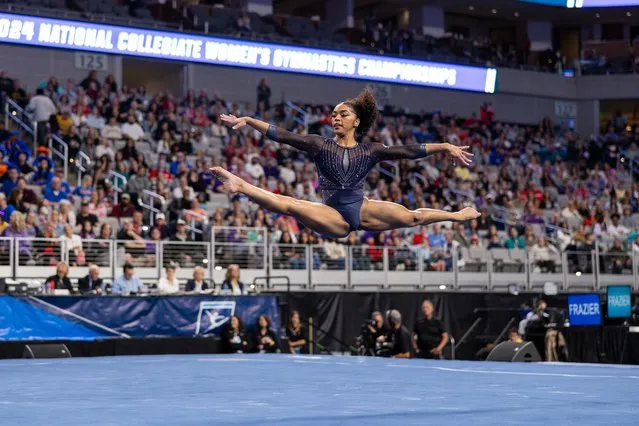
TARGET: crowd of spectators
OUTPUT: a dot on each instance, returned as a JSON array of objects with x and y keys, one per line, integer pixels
[{"x": 540, "y": 188}]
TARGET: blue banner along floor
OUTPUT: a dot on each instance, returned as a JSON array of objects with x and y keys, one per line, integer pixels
[{"x": 52, "y": 317}]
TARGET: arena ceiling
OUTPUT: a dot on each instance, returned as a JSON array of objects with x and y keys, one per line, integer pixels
[{"x": 509, "y": 10}]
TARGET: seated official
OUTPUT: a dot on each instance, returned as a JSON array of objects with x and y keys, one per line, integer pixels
[
  {"x": 399, "y": 336},
  {"x": 60, "y": 280},
  {"x": 429, "y": 334},
  {"x": 265, "y": 339},
  {"x": 92, "y": 283},
  {"x": 232, "y": 284},
  {"x": 198, "y": 284},
  {"x": 296, "y": 334},
  {"x": 127, "y": 283},
  {"x": 236, "y": 342},
  {"x": 169, "y": 283}
]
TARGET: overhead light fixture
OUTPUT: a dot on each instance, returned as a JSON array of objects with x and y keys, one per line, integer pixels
[
  {"x": 516, "y": 14},
  {"x": 471, "y": 7},
  {"x": 442, "y": 287},
  {"x": 494, "y": 11}
]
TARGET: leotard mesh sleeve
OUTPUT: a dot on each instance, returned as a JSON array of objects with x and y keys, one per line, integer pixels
[
  {"x": 310, "y": 143},
  {"x": 389, "y": 153}
]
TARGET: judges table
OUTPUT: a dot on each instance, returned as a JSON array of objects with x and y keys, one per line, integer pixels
[{"x": 607, "y": 344}]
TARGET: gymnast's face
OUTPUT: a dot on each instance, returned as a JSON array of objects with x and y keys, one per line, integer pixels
[{"x": 345, "y": 120}]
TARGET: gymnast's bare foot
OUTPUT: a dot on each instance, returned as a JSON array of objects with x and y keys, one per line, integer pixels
[
  {"x": 230, "y": 182},
  {"x": 468, "y": 213}
]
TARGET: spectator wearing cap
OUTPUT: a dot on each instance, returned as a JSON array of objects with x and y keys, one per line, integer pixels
[
  {"x": 86, "y": 216},
  {"x": 181, "y": 233},
  {"x": 54, "y": 192},
  {"x": 169, "y": 284},
  {"x": 124, "y": 208},
  {"x": 14, "y": 146},
  {"x": 161, "y": 225}
]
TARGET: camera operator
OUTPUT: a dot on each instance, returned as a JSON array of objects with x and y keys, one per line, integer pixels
[
  {"x": 543, "y": 318},
  {"x": 429, "y": 334},
  {"x": 399, "y": 336},
  {"x": 374, "y": 331}
]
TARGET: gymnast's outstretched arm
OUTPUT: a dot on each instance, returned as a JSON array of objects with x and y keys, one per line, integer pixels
[
  {"x": 415, "y": 151},
  {"x": 310, "y": 143}
]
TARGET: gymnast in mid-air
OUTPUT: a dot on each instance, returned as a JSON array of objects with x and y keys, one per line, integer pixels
[{"x": 342, "y": 164}]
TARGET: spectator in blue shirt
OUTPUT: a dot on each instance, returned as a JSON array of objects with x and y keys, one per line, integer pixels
[
  {"x": 176, "y": 165},
  {"x": 14, "y": 146},
  {"x": 85, "y": 190},
  {"x": 5, "y": 209},
  {"x": 127, "y": 283},
  {"x": 436, "y": 238},
  {"x": 43, "y": 173},
  {"x": 54, "y": 192},
  {"x": 422, "y": 135},
  {"x": 11, "y": 182}
]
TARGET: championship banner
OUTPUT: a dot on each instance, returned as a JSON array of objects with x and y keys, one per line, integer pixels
[
  {"x": 180, "y": 46},
  {"x": 160, "y": 316}
]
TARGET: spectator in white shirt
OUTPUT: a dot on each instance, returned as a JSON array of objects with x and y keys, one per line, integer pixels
[
  {"x": 570, "y": 213},
  {"x": 104, "y": 149},
  {"x": 169, "y": 284},
  {"x": 42, "y": 108},
  {"x": 255, "y": 169},
  {"x": 73, "y": 245},
  {"x": 541, "y": 255},
  {"x": 112, "y": 130},
  {"x": 132, "y": 129},
  {"x": 287, "y": 174},
  {"x": 616, "y": 230},
  {"x": 219, "y": 130}
]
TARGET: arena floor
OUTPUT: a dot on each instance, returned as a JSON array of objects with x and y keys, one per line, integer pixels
[{"x": 285, "y": 390}]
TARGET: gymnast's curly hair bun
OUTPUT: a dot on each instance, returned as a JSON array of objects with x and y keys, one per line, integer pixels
[{"x": 365, "y": 106}]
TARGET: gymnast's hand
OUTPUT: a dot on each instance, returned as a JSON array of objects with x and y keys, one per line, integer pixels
[
  {"x": 237, "y": 123},
  {"x": 461, "y": 153}
]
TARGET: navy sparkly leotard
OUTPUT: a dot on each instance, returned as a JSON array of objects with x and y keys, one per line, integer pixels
[{"x": 342, "y": 170}]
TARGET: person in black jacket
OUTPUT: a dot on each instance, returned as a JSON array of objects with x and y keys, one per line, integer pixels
[
  {"x": 198, "y": 284},
  {"x": 296, "y": 335},
  {"x": 236, "y": 341},
  {"x": 60, "y": 280},
  {"x": 92, "y": 283},
  {"x": 265, "y": 339}
]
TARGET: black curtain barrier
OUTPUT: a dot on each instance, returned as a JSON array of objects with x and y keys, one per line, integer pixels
[{"x": 342, "y": 315}]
